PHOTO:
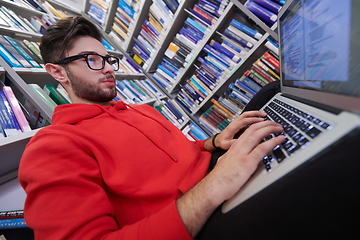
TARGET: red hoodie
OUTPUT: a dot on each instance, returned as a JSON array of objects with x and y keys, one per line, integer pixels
[{"x": 109, "y": 172}]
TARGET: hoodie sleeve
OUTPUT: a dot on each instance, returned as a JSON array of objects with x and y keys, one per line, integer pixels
[
  {"x": 200, "y": 144},
  {"x": 67, "y": 198}
]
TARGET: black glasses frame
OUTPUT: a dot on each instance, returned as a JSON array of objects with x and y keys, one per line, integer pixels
[{"x": 85, "y": 56}]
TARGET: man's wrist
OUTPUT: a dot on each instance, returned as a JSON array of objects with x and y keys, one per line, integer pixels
[{"x": 213, "y": 141}]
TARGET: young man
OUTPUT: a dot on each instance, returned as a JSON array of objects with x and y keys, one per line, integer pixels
[{"x": 107, "y": 170}]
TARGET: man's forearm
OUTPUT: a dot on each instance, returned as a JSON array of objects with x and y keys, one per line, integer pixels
[{"x": 196, "y": 206}]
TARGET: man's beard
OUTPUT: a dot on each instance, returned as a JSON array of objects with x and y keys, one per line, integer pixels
[{"x": 90, "y": 91}]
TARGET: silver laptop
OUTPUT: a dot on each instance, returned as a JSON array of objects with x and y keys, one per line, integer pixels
[{"x": 319, "y": 103}]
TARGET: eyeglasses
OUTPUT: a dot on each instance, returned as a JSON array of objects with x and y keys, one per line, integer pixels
[{"x": 93, "y": 60}]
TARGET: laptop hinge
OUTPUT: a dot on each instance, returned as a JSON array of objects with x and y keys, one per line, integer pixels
[{"x": 314, "y": 104}]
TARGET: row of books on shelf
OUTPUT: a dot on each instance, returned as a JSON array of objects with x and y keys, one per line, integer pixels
[
  {"x": 215, "y": 63},
  {"x": 265, "y": 10},
  {"x": 8, "y": 18},
  {"x": 12, "y": 117},
  {"x": 230, "y": 105},
  {"x": 43, "y": 6},
  {"x": 160, "y": 19},
  {"x": 184, "y": 45},
  {"x": 20, "y": 54},
  {"x": 137, "y": 91},
  {"x": 26, "y": 54},
  {"x": 98, "y": 10},
  {"x": 12, "y": 219},
  {"x": 194, "y": 132},
  {"x": 172, "y": 111},
  {"x": 124, "y": 19}
]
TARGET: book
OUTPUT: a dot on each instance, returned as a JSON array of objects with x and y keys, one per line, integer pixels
[
  {"x": 269, "y": 5},
  {"x": 32, "y": 48},
  {"x": 22, "y": 52},
  {"x": 15, "y": 106},
  {"x": 12, "y": 223},
  {"x": 262, "y": 13},
  {"x": 15, "y": 54},
  {"x": 55, "y": 95},
  {"x": 172, "y": 5},
  {"x": 43, "y": 96},
  {"x": 249, "y": 31},
  {"x": 238, "y": 39},
  {"x": 9, "y": 59},
  {"x": 8, "y": 120},
  {"x": 18, "y": 213}
]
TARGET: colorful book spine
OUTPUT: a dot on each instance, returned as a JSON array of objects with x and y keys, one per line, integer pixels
[
  {"x": 262, "y": 13},
  {"x": 15, "y": 106},
  {"x": 43, "y": 96},
  {"x": 12, "y": 223},
  {"x": 8, "y": 120}
]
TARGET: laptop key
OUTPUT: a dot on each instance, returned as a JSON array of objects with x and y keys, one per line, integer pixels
[{"x": 313, "y": 132}]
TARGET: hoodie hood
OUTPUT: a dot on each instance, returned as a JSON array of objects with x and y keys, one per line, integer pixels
[{"x": 64, "y": 114}]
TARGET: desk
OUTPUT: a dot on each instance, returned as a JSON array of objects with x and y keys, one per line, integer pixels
[{"x": 318, "y": 200}]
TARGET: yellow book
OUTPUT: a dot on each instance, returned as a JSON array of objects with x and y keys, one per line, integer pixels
[{"x": 53, "y": 10}]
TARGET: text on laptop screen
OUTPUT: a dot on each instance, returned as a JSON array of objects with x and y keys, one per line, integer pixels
[{"x": 320, "y": 50}]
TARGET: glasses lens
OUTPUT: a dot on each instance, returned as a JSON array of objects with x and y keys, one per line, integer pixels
[
  {"x": 95, "y": 62},
  {"x": 114, "y": 62}
]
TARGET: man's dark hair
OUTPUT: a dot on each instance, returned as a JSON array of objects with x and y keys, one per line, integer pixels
[{"x": 58, "y": 38}]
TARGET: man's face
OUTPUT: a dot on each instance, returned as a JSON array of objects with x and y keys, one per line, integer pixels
[{"x": 95, "y": 86}]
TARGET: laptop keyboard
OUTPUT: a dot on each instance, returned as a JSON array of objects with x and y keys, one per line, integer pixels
[{"x": 300, "y": 128}]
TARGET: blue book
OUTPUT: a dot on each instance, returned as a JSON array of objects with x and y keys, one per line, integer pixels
[
  {"x": 174, "y": 110},
  {"x": 9, "y": 59},
  {"x": 243, "y": 42},
  {"x": 162, "y": 68},
  {"x": 237, "y": 91},
  {"x": 172, "y": 5},
  {"x": 126, "y": 8},
  {"x": 169, "y": 68},
  {"x": 224, "y": 51},
  {"x": 195, "y": 24},
  {"x": 262, "y": 13},
  {"x": 209, "y": 7},
  {"x": 249, "y": 31},
  {"x": 107, "y": 45},
  {"x": 269, "y": 5},
  {"x": 219, "y": 55},
  {"x": 216, "y": 60},
  {"x": 6, "y": 120},
  {"x": 182, "y": 103},
  {"x": 211, "y": 69},
  {"x": 160, "y": 81},
  {"x": 245, "y": 89},
  {"x": 192, "y": 29},
  {"x": 141, "y": 51},
  {"x": 192, "y": 94},
  {"x": 250, "y": 83},
  {"x": 188, "y": 35},
  {"x": 198, "y": 86},
  {"x": 207, "y": 74},
  {"x": 200, "y": 135},
  {"x": 209, "y": 65},
  {"x": 12, "y": 223}
]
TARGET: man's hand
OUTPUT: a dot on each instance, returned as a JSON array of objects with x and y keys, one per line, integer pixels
[
  {"x": 231, "y": 172},
  {"x": 226, "y": 138}
]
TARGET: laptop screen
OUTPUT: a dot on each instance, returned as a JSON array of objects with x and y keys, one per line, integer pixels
[{"x": 320, "y": 52}]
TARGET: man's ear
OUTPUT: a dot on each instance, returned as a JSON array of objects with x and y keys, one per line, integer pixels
[{"x": 57, "y": 72}]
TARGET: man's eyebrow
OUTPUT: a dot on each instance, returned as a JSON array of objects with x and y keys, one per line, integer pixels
[{"x": 91, "y": 52}]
